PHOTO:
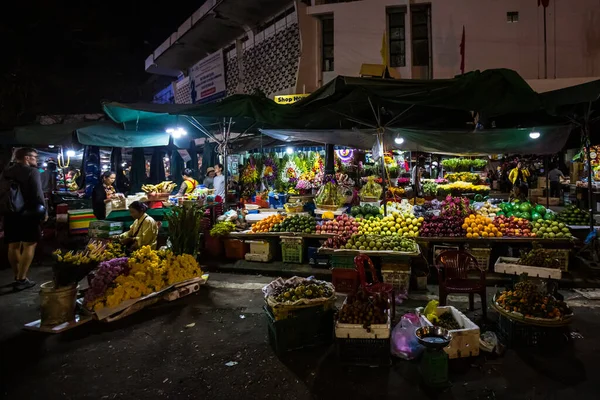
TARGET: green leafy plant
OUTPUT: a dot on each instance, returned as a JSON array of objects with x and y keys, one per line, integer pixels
[
  {"x": 463, "y": 164},
  {"x": 184, "y": 228}
]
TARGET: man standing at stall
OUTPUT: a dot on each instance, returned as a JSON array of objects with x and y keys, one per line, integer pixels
[
  {"x": 417, "y": 174},
  {"x": 554, "y": 176},
  {"x": 23, "y": 207},
  {"x": 219, "y": 183}
]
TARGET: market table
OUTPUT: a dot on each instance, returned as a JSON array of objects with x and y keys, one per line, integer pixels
[{"x": 158, "y": 214}]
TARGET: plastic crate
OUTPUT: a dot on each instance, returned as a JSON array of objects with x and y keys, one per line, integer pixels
[
  {"x": 482, "y": 255},
  {"x": 314, "y": 258},
  {"x": 337, "y": 261},
  {"x": 363, "y": 352},
  {"x": 344, "y": 280},
  {"x": 305, "y": 330},
  {"x": 516, "y": 334},
  {"x": 399, "y": 279},
  {"x": 563, "y": 256},
  {"x": 292, "y": 250}
]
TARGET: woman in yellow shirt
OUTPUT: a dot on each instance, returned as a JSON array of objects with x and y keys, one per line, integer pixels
[
  {"x": 143, "y": 231},
  {"x": 189, "y": 183},
  {"x": 518, "y": 176}
]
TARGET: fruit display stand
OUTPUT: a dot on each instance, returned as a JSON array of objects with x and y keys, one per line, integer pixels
[{"x": 465, "y": 341}]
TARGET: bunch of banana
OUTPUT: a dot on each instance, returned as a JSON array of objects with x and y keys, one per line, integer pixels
[{"x": 163, "y": 187}]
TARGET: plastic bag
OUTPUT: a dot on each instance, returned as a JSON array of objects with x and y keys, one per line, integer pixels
[
  {"x": 488, "y": 342},
  {"x": 404, "y": 343}
]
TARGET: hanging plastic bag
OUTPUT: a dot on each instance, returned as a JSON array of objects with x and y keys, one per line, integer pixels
[{"x": 404, "y": 343}]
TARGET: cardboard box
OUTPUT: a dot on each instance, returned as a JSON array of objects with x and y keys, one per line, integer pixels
[
  {"x": 533, "y": 193},
  {"x": 552, "y": 201},
  {"x": 541, "y": 182}
]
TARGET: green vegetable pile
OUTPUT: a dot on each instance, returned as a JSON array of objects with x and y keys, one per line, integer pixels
[
  {"x": 463, "y": 164},
  {"x": 222, "y": 228},
  {"x": 184, "y": 228}
]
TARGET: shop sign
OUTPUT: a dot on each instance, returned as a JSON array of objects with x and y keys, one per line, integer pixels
[
  {"x": 207, "y": 79},
  {"x": 289, "y": 98}
]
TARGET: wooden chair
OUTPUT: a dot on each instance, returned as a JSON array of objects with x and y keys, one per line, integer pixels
[{"x": 453, "y": 275}]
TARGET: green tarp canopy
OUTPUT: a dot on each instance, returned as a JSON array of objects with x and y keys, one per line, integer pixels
[
  {"x": 347, "y": 101},
  {"x": 551, "y": 140}
]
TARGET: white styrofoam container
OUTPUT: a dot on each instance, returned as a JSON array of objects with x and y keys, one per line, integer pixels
[
  {"x": 508, "y": 265},
  {"x": 465, "y": 341},
  {"x": 357, "y": 331}
]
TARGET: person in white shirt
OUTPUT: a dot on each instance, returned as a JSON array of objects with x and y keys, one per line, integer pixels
[{"x": 219, "y": 182}]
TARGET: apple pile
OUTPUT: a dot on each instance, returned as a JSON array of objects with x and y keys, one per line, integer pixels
[
  {"x": 513, "y": 226},
  {"x": 341, "y": 224},
  {"x": 337, "y": 242}
]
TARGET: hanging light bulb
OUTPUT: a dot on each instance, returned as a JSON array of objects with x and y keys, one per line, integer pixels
[
  {"x": 176, "y": 132},
  {"x": 399, "y": 140},
  {"x": 534, "y": 135},
  {"x": 289, "y": 150}
]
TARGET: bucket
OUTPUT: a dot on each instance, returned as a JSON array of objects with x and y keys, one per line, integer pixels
[{"x": 57, "y": 306}]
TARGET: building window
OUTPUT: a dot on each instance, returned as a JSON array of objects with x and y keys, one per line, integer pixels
[
  {"x": 512, "y": 16},
  {"x": 396, "y": 38},
  {"x": 327, "y": 43},
  {"x": 420, "y": 18}
]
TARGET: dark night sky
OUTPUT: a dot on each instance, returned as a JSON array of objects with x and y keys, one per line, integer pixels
[{"x": 67, "y": 58}]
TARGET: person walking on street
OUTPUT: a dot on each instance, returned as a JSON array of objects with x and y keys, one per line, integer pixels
[
  {"x": 22, "y": 221},
  {"x": 554, "y": 176},
  {"x": 219, "y": 182}
]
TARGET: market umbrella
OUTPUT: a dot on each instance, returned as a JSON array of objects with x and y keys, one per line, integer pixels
[
  {"x": 138, "y": 169},
  {"x": 157, "y": 166}
]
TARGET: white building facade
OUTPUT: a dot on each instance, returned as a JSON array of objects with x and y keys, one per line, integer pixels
[{"x": 292, "y": 47}]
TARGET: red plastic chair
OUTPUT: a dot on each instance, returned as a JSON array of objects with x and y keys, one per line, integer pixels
[
  {"x": 375, "y": 287},
  {"x": 453, "y": 276}
]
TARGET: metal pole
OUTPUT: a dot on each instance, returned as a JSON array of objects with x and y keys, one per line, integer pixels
[
  {"x": 547, "y": 167},
  {"x": 545, "y": 48},
  {"x": 225, "y": 171},
  {"x": 383, "y": 175},
  {"x": 589, "y": 167}
]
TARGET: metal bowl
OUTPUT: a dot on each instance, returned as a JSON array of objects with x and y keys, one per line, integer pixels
[{"x": 433, "y": 337}]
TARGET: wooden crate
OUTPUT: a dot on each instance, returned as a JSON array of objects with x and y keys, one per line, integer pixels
[{"x": 465, "y": 341}]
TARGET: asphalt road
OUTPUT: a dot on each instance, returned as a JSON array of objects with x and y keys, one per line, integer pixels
[{"x": 181, "y": 350}]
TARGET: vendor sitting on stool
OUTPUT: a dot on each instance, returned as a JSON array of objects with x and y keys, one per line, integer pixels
[
  {"x": 143, "y": 231},
  {"x": 189, "y": 183}
]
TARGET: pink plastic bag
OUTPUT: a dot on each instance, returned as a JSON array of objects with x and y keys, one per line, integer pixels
[{"x": 404, "y": 343}]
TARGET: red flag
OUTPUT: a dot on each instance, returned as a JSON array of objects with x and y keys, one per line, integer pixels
[
  {"x": 462, "y": 52},
  {"x": 544, "y": 3}
]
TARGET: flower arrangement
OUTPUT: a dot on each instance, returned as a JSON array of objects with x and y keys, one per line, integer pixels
[
  {"x": 269, "y": 172},
  {"x": 463, "y": 177},
  {"x": 463, "y": 164},
  {"x": 403, "y": 181},
  {"x": 147, "y": 271},
  {"x": 441, "y": 181},
  {"x": 345, "y": 183},
  {"x": 250, "y": 173},
  {"x": 72, "y": 266}
]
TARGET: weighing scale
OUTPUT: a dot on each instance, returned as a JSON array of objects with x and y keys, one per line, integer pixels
[{"x": 434, "y": 362}]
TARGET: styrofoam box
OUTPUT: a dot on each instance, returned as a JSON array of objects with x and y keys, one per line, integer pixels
[
  {"x": 357, "y": 331},
  {"x": 465, "y": 341},
  {"x": 259, "y": 246}
]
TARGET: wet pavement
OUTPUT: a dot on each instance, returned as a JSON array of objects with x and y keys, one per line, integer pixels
[{"x": 182, "y": 350}]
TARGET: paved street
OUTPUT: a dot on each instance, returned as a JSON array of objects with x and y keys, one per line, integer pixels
[{"x": 153, "y": 355}]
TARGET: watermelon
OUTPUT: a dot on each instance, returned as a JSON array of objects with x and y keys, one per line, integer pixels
[
  {"x": 500, "y": 213},
  {"x": 508, "y": 207},
  {"x": 478, "y": 198},
  {"x": 525, "y": 207},
  {"x": 535, "y": 216},
  {"x": 540, "y": 209},
  {"x": 510, "y": 214},
  {"x": 549, "y": 217}
]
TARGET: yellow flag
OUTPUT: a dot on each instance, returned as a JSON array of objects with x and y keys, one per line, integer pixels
[{"x": 385, "y": 50}]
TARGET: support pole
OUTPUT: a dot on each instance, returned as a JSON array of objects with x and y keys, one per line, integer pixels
[
  {"x": 589, "y": 168},
  {"x": 547, "y": 168},
  {"x": 545, "y": 48},
  {"x": 329, "y": 160}
]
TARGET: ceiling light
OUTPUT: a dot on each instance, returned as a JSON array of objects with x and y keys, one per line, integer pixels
[
  {"x": 399, "y": 140},
  {"x": 70, "y": 153},
  {"x": 177, "y": 132},
  {"x": 289, "y": 150},
  {"x": 534, "y": 135}
]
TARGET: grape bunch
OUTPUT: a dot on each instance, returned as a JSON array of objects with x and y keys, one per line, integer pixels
[
  {"x": 365, "y": 310},
  {"x": 106, "y": 273}
]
